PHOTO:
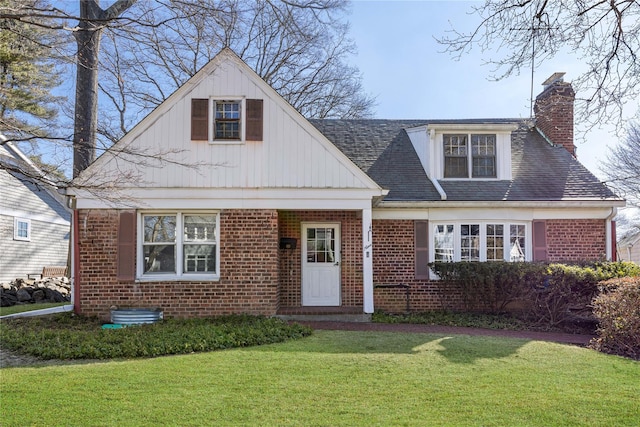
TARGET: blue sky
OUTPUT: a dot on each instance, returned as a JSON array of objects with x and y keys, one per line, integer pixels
[{"x": 404, "y": 68}]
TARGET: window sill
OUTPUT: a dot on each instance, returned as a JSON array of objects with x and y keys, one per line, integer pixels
[
  {"x": 173, "y": 278},
  {"x": 226, "y": 142}
]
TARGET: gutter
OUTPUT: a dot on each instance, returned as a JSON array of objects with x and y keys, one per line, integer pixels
[
  {"x": 607, "y": 233},
  {"x": 584, "y": 203}
]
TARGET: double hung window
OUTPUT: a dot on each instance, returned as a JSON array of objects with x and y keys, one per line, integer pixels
[
  {"x": 227, "y": 120},
  {"x": 22, "y": 229},
  {"x": 469, "y": 155},
  {"x": 180, "y": 244}
]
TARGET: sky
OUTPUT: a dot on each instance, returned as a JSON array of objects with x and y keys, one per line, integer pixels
[{"x": 405, "y": 68}]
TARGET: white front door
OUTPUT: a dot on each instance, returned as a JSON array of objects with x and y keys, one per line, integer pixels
[{"x": 321, "y": 264}]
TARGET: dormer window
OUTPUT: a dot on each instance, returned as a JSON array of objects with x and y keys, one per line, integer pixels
[{"x": 477, "y": 162}]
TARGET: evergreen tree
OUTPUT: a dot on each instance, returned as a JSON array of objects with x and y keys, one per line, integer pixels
[{"x": 27, "y": 76}]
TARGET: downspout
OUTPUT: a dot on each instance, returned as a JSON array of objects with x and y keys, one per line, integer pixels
[
  {"x": 75, "y": 256},
  {"x": 608, "y": 234}
]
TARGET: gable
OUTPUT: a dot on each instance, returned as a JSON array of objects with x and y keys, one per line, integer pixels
[{"x": 283, "y": 151}]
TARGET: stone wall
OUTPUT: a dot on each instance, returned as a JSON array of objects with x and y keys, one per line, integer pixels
[{"x": 48, "y": 289}]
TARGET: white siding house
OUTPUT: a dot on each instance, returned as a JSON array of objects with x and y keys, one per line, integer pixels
[{"x": 34, "y": 223}]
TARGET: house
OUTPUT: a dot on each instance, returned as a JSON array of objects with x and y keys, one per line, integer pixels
[
  {"x": 34, "y": 221},
  {"x": 253, "y": 208},
  {"x": 629, "y": 246}
]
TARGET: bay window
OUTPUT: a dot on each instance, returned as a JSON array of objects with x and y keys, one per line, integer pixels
[{"x": 479, "y": 241}]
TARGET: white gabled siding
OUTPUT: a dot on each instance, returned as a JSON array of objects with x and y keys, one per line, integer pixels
[{"x": 293, "y": 154}]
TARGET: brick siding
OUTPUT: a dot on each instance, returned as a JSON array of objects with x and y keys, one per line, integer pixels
[
  {"x": 576, "y": 240},
  {"x": 290, "y": 224},
  {"x": 554, "y": 114},
  {"x": 248, "y": 270},
  {"x": 394, "y": 263}
]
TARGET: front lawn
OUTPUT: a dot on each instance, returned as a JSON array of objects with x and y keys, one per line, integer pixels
[{"x": 334, "y": 378}]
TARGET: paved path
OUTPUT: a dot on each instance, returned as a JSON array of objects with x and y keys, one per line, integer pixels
[{"x": 577, "y": 339}]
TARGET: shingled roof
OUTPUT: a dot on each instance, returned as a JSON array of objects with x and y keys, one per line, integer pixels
[{"x": 540, "y": 171}]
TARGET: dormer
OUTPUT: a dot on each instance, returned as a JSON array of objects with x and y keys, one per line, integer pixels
[{"x": 464, "y": 151}]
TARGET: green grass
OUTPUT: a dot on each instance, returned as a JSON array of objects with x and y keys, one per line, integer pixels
[
  {"x": 448, "y": 318},
  {"x": 337, "y": 378},
  {"x": 29, "y": 307}
]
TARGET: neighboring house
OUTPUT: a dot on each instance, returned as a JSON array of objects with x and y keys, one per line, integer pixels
[
  {"x": 629, "y": 247},
  {"x": 34, "y": 221},
  {"x": 287, "y": 215}
]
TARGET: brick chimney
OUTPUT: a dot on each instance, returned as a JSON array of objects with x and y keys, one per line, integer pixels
[{"x": 554, "y": 112}]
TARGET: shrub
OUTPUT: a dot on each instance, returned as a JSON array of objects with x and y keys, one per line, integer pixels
[
  {"x": 617, "y": 309},
  {"x": 566, "y": 291},
  {"x": 549, "y": 295},
  {"x": 487, "y": 286},
  {"x": 65, "y": 336}
]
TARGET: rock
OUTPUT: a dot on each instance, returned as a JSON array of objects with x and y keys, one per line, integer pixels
[
  {"x": 23, "y": 295},
  {"x": 20, "y": 291},
  {"x": 39, "y": 295},
  {"x": 8, "y": 298}
]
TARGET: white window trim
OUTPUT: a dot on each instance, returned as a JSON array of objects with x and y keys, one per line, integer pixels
[
  {"x": 457, "y": 249},
  {"x": 16, "y": 222},
  {"x": 212, "y": 123},
  {"x": 179, "y": 275},
  {"x": 503, "y": 151}
]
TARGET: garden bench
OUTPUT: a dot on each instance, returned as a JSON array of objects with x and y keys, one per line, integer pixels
[{"x": 50, "y": 271}]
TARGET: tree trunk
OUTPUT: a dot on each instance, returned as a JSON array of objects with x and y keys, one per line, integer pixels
[
  {"x": 86, "y": 117},
  {"x": 92, "y": 20}
]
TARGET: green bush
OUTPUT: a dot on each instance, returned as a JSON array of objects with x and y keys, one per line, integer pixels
[
  {"x": 565, "y": 292},
  {"x": 487, "y": 286},
  {"x": 617, "y": 309},
  {"x": 66, "y": 336},
  {"x": 548, "y": 295}
]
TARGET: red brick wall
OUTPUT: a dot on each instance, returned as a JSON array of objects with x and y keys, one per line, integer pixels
[
  {"x": 576, "y": 239},
  {"x": 350, "y": 262},
  {"x": 394, "y": 263},
  {"x": 394, "y": 257},
  {"x": 248, "y": 270},
  {"x": 554, "y": 114}
]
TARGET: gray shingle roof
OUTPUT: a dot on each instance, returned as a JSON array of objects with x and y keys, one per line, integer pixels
[{"x": 540, "y": 172}]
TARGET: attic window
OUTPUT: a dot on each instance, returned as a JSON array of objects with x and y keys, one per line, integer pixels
[
  {"x": 226, "y": 120},
  {"x": 460, "y": 157}
]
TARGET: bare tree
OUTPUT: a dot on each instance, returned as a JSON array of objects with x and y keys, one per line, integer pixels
[
  {"x": 622, "y": 167},
  {"x": 604, "y": 34},
  {"x": 146, "y": 50},
  {"x": 300, "y": 48}
]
